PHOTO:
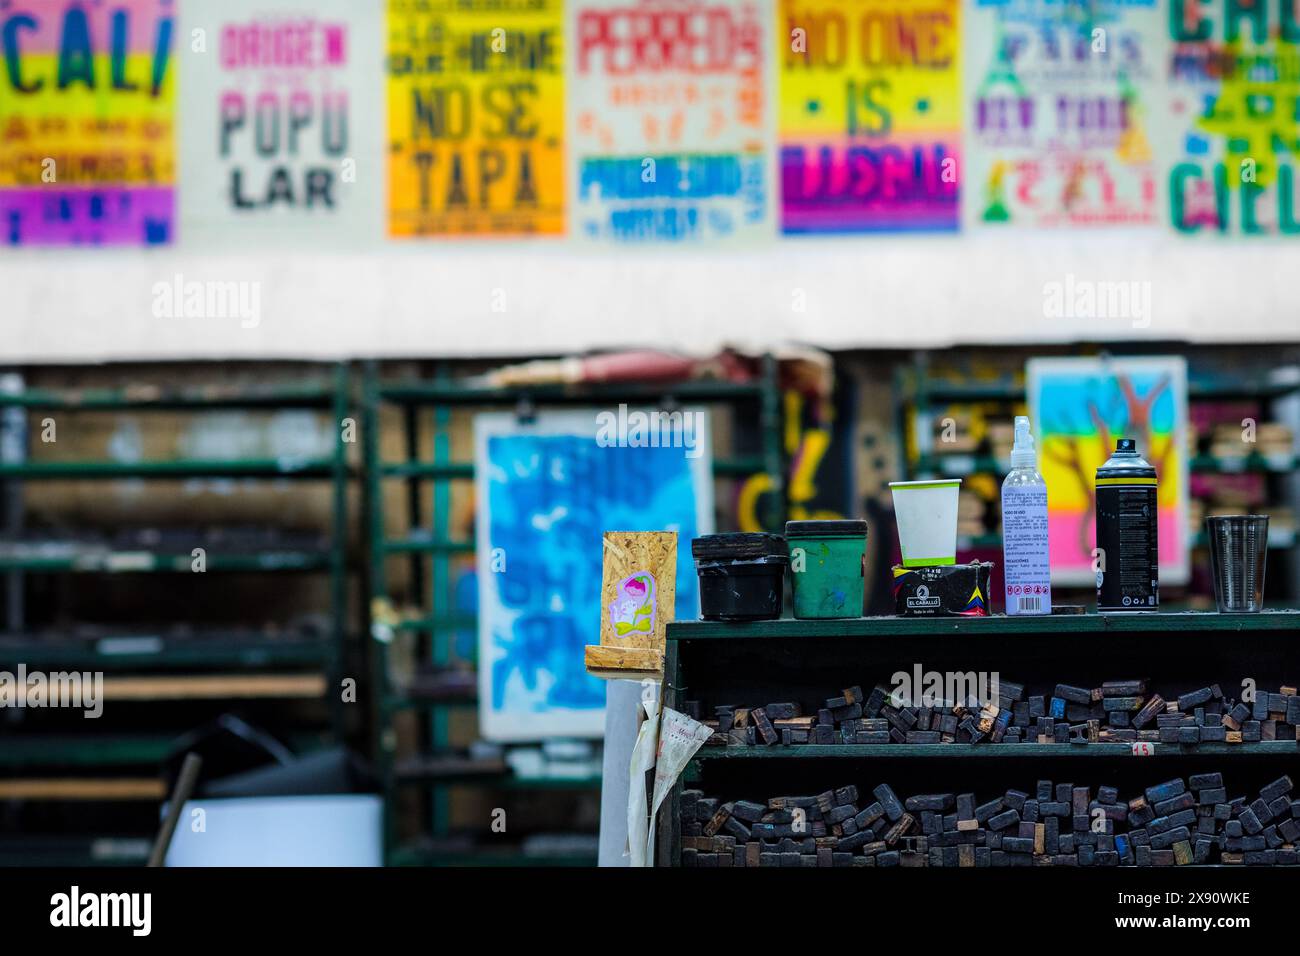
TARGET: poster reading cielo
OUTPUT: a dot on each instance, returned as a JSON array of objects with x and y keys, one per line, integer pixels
[
  {"x": 275, "y": 104},
  {"x": 1061, "y": 100},
  {"x": 475, "y": 117},
  {"x": 668, "y": 119},
  {"x": 870, "y": 115},
  {"x": 86, "y": 126},
  {"x": 1232, "y": 119}
]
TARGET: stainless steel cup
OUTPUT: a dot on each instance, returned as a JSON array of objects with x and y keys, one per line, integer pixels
[{"x": 1238, "y": 549}]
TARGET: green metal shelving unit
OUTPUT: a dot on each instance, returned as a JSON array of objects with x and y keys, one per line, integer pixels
[
  {"x": 162, "y": 653},
  {"x": 787, "y": 659},
  {"x": 430, "y": 542}
]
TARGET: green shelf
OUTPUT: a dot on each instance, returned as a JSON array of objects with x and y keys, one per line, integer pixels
[
  {"x": 452, "y": 393},
  {"x": 984, "y": 750},
  {"x": 1156, "y": 622},
  {"x": 411, "y": 855},
  {"x": 464, "y": 471},
  {"x": 84, "y": 750},
  {"x": 192, "y": 468},
  {"x": 420, "y": 544},
  {"x": 145, "y": 652},
  {"x": 121, "y": 562},
  {"x": 1229, "y": 465},
  {"x": 959, "y": 465},
  {"x": 61, "y": 850},
  {"x": 145, "y": 399},
  {"x": 939, "y": 391}
]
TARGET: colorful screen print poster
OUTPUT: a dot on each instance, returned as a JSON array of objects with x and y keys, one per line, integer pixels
[
  {"x": 870, "y": 114},
  {"x": 1234, "y": 117},
  {"x": 475, "y": 117},
  {"x": 1060, "y": 105},
  {"x": 86, "y": 138},
  {"x": 277, "y": 98},
  {"x": 669, "y": 110},
  {"x": 546, "y": 491},
  {"x": 1079, "y": 408}
]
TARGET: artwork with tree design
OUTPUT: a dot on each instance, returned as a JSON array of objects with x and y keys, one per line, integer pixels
[{"x": 1080, "y": 406}]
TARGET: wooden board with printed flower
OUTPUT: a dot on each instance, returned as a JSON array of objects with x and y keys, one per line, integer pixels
[{"x": 637, "y": 598}]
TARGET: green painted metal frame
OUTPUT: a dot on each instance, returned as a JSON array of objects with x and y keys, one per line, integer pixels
[
  {"x": 431, "y": 542},
  {"x": 239, "y": 651},
  {"x": 334, "y": 397}
]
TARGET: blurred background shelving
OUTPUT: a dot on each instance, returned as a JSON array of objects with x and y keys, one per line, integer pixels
[{"x": 123, "y": 506}]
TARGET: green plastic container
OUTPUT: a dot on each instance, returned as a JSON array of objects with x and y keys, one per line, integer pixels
[{"x": 826, "y": 566}]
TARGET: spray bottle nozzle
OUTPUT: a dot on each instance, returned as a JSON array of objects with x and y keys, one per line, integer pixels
[{"x": 1023, "y": 454}]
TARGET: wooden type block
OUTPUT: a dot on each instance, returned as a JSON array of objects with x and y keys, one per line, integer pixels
[
  {"x": 1194, "y": 699},
  {"x": 764, "y": 725},
  {"x": 889, "y": 800}
]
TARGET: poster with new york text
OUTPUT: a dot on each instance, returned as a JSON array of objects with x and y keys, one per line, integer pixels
[{"x": 1061, "y": 98}]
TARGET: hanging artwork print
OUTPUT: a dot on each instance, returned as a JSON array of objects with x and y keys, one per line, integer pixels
[
  {"x": 1061, "y": 98},
  {"x": 870, "y": 115},
  {"x": 1080, "y": 407},
  {"x": 475, "y": 118},
  {"x": 274, "y": 114},
  {"x": 669, "y": 110},
  {"x": 548, "y": 492},
  {"x": 1233, "y": 129},
  {"x": 86, "y": 127}
]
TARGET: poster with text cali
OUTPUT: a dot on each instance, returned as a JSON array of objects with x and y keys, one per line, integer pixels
[
  {"x": 669, "y": 127},
  {"x": 86, "y": 140},
  {"x": 870, "y": 115},
  {"x": 280, "y": 126},
  {"x": 1233, "y": 117},
  {"x": 475, "y": 117},
  {"x": 1060, "y": 102}
]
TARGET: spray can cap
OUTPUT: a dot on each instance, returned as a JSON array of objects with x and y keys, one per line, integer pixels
[{"x": 1023, "y": 453}]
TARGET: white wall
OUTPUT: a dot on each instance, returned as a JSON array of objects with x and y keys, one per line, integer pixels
[{"x": 436, "y": 299}]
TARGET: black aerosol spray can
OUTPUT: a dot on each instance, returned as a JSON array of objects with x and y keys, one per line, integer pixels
[{"x": 1128, "y": 575}]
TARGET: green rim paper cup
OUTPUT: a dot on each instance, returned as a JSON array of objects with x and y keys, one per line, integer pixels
[{"x": 927, "y": 521}]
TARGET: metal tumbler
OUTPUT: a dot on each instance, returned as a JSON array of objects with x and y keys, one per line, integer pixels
[{"x": 1238, "y": 549}]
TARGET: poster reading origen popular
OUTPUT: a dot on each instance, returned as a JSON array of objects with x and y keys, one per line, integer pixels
[
  {"x": 546, "y": 492},
  {"x": 1079, "y": 408},
  {"x": 86, "y": 127},
  {"x": 475, "y": 118},
  {"x": 1232, "y": 117},
  {"x": 1060, "y": 102},
  {"x": 870, "y": 115},
  {"x": 668, "y": 124},
  {"x": 279, "y": 125}
]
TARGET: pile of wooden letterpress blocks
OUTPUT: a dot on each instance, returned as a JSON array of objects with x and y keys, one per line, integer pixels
[
  {"x": 1116, "y": 712},
  {"x": 1170, "y": 824}
]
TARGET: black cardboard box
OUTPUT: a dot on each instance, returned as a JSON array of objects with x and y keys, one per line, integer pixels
[{"x": 953, "y": 590}]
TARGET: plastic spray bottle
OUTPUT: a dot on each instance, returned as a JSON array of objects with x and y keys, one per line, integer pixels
[{"x": 1026, "y": 564}]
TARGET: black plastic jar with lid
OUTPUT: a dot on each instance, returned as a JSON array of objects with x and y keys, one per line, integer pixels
[{"x": 742, "y": 575}]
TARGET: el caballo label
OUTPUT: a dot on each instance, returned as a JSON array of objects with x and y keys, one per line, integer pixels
[
  {"x": 86, "y": 108},
  {"x": 870, "y": 115},
  {"x": 475, "y": 117},
  {"x": 668, "y": 120}
]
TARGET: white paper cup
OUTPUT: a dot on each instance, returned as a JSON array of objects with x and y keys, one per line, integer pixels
[{"x": 927, "y": 521}]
